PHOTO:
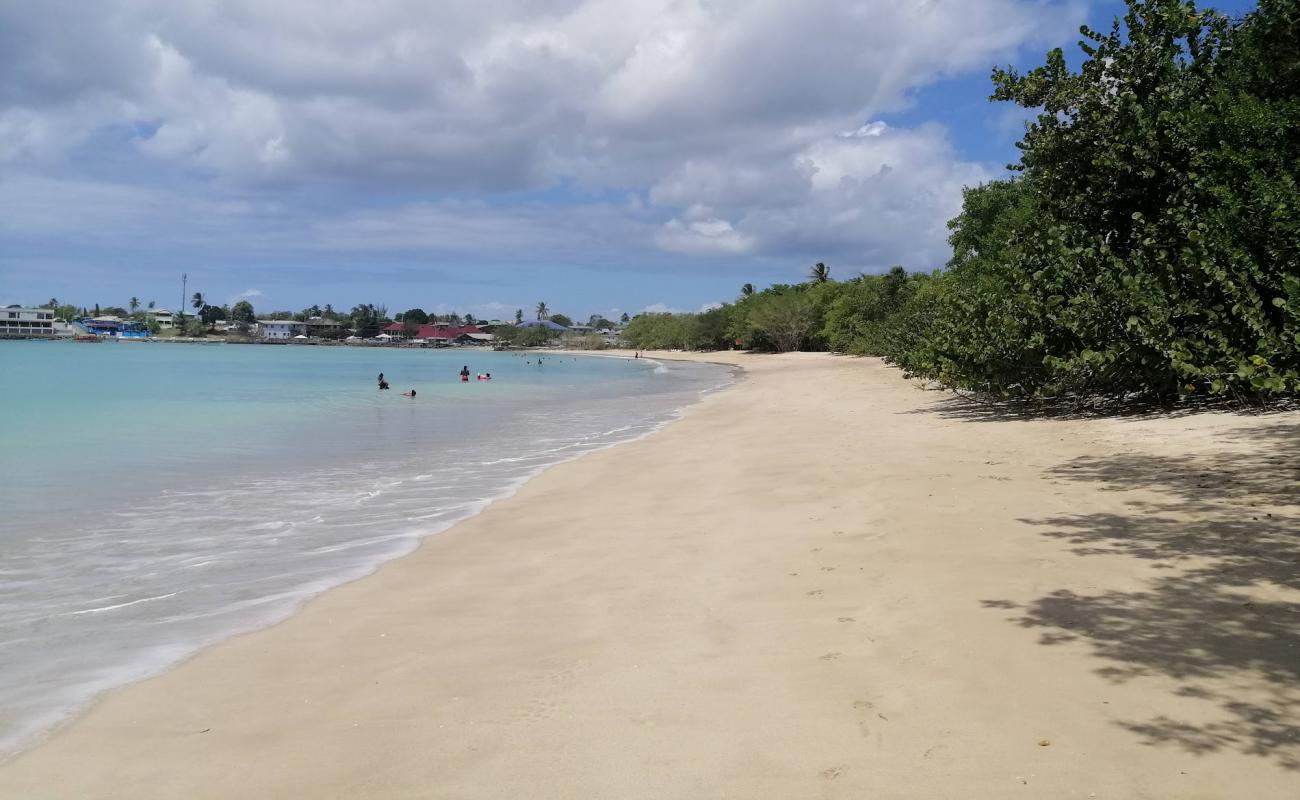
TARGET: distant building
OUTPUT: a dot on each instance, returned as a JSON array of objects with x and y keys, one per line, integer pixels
[
  {"x": 542, "y": 323},
  {"x": 440, "y": 333},
  {"x": 280, "y": 328},
  {"x": 322, "y": 327},
  {"x": 163, "y": 317},
  {"x": 27, "y": 323},
  {"x": 114, "y": 328}
]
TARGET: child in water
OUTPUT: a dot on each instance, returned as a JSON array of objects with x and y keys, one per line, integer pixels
[
  {"x": 409, "y": 394},
  {"x": 464, "y": 374}
]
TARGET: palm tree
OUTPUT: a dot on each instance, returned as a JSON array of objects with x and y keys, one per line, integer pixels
[
  {"x": 625, "y": 318},
  {"x": 151, "y": 304},
  {"x": 519, "y": 315},
  {"x": 133, "y": 304},
  {"x": 54, "y": 302},
  {"x": 197, "y": 301},
  {"x": 747, "y": 290},
  {"x": 542, "y": 311},
  {"x": 820, "y": 273}
]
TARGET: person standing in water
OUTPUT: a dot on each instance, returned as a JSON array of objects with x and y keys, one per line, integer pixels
[{"x": 464, "y": 374}]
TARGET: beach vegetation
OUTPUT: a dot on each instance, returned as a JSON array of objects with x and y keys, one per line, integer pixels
[{"x": 1147, "y": 246}]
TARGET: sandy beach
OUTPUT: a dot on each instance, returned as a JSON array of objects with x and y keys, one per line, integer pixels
[{"x": 821, "y": 582}]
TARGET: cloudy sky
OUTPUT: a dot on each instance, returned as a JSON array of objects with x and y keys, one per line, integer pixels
[{"x": 486, "y": 154}]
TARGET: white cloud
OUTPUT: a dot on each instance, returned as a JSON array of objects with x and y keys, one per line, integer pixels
[
  {"x": 659, "y": 308},
  {"x": 724, "y": 123},
  {"x": 702, "y": 237}
]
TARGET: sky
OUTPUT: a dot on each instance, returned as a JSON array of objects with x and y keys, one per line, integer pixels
[{"x": 484, "y": 155}]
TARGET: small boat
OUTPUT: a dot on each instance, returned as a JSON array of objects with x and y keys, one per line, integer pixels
[{"x": 86, "y": 337}]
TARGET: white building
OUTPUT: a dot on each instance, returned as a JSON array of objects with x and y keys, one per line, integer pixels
[
  {"x": 163, "y": 317},
  {"x": 26, "y": 323},
  {"x": 280, "y": 328}
]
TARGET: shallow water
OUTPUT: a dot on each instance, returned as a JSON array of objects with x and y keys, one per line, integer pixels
[{"x": 155, "y": 498}]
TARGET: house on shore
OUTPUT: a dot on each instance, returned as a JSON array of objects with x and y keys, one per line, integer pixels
[
  {"x": 163, "y": 317},
  {"x": 323, "y": 328},
  {"x": 27, "y": 323},
  {"x": 280, "y": 329},
  {"x": 440, "y": 333}
]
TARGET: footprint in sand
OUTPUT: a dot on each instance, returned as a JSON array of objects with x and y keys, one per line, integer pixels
[
  {"x": 832, "y": 773},
  {"x": 846, "y": 619},
  {"x": 831, "y": 656},
  {"x": 863, "y": 710},
  {"x": 814, "y": 593}
]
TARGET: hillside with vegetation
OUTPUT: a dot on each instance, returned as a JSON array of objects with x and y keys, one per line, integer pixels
[{"x": 1147, "y": 246}]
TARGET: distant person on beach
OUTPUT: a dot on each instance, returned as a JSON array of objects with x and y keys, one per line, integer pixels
[
  {"x": 409, "y": 394},
  {"x": 464, "y": 374}
]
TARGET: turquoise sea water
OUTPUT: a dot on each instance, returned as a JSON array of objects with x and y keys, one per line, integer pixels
[{"x": 156, "y": 497}]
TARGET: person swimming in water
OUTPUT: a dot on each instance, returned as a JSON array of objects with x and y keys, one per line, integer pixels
[
  {"x": 409, "y": 394},
  {"x": 464, "y": 374}
]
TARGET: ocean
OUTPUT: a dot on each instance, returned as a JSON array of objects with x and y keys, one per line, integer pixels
[{"x": 156, "y": 498}]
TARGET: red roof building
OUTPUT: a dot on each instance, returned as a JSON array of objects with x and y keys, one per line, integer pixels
[{"x": 433, "y": 332}]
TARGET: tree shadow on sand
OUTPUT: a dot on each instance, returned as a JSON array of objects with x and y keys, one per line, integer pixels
[
  {"x": 970, "y": 407},
  {"x": 1226, "y": 528}
]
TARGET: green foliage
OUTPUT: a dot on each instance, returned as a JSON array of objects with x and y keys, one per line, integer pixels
[
  {"x": 243, "y": 312},
  {"x": 367, "y": 320},
  {"x": 704, "y": 331},
  {"x": 1151, "y": 246},
  {"x": 561, "y": 319},
  {"x": 416, "y": 316},
  {"x": 211, "y": 314},
  {"x": 531, "y": 336},
  {"x": 860, "y": 318},
  {"x": 584, "y": 341}
]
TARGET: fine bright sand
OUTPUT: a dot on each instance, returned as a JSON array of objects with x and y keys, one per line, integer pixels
[{"x": 822, "y": 582}]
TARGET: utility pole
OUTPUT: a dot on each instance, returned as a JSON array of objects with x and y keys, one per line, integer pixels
[{"x": 185, "y": 278}]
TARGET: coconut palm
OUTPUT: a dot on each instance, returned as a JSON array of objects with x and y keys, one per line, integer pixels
[
  {"x": 542, "y": 311},
  {"x": 625, "y": 318},
  {"x": 54, "y": 303},
  {"x": 133, "y": 304},
  {"x": 197, "y": 301},
  {"x": 519, "y": 315},
  {"x": 151, "y": 304},
  {"x": 747, "y": 290},
  {"x": 820, "y": 273}
]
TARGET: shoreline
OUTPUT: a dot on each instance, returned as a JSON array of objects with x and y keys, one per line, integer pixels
[
  {"x": 32, "y": 736},
  {"x": 820, "y": 582}
]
